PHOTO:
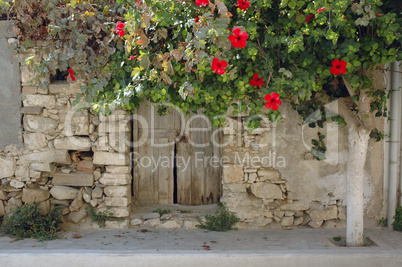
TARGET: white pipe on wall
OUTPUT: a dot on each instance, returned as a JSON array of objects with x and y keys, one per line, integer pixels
[{"x": 394, "y": 148}]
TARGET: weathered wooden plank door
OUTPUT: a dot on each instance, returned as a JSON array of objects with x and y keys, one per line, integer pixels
[{"x": 177, "y": 161}]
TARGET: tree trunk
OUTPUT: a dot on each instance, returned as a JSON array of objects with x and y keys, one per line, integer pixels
[{"x": 358, "y": 144}]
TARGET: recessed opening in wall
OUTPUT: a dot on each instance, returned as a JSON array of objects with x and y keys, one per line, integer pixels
[{"x": 59, "y": 76}]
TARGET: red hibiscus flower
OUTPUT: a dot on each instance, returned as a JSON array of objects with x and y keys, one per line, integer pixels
[
  {"x": 256, "y": 81},
  {"x": 132, "y": 57},
  {"x": 238, "y": 38},
  {"x": 320, "y": 9},
  {"x": 308, "y": 18},
  {"x": 339, "y": 66},
  {"x": 197, "y": 18},
  {"x": 71, "y": 74},
  {"x": 219, "y": 66},
  {"x": 243, "y": 5},
  {"x": 273, "y": 101},
  {"x": 201, "y": 2},
  {"x": 120, "y": 25}
]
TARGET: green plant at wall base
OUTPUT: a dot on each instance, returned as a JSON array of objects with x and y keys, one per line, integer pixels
[
  {"x": 161, "y": 212},
  {"x": 383, "y": 222},
  {"x": 26, "y": 222},
  {"x": 221, "y": 221},
  {"x": 99, "y": 217},
  {"x": 397, "y": 224}
]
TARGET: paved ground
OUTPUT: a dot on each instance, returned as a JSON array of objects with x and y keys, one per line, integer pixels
[{"x": 161, "y": 247}]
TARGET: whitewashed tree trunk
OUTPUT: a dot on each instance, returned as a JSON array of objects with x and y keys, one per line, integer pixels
[{"x": 358, "y": 144}]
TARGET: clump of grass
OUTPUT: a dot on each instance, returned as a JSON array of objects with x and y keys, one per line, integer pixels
[
  {"x": 161, "y": 212},
  {"x": 99, "y": 217},
  {"x": 397, "y": 224},
  {"x": 222, "y": 221},
  {"x": 26, "y": 222}
]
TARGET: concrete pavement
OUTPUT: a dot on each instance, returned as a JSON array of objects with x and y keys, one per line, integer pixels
[{"x": 163, "y": 247}]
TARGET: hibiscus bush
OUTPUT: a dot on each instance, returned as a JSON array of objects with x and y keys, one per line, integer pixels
[{"x": 206, "y": 55}]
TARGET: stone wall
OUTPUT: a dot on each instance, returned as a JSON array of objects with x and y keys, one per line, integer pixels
[
  {"x": 271, "y": 178},
  {"x": 70, "y": 157}
]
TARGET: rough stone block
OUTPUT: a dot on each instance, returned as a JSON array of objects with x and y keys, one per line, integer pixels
[
  {"x": 152, "y": 223},
  {"x": 115, "y": 179},
  {"x": 35, "y": 141},
  {"x": 328, "y": 214},
  {"x": 38, "y": 124},
  {"x": 3, "y": 195},
  {"x": 64, "y": 88},
  {"x": 287, "y": 221},
  {"x": 43, "y": 167},
  {"x": 108, "y": 158},
  {"x": 136, "y": 222},
  {"x": 118, "y": 169},
  {"x": 233, "y": 174},
  {"x": 265, "y": 174},
  {"x": 2, "y": 209},
  {"x": 73, "y": 179},
  {"x": 120, "y": 224},
  {"x": 73, "y": 143},
  {"x": 295, "y": 206},
  {"x": 97, "y": 192},
  {"x": 117, "y": 191},
  {"x": 31, "y": 110},
  {"x": 7, "y": 167},
  {"x": 117, "y": 201},
  {"x": 171, "y": 224},
  {"x": 46, "y": 101},
  {"x": 264, "y": 190},
  {"x": 17, "y": 184},
  {"x": 86, "y": 166},
  {"x": 44, "y": 207},
  {"x": 51, "y": 156},
  {"x": 77, "y": 216},
  {"x": 63, "y": 192},
  {"x": 119, "y": 212}
]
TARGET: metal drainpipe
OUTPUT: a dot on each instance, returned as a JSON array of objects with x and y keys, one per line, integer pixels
[{"x": 394, "y": 148}]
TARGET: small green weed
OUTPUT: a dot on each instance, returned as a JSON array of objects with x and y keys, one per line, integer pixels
[
  {"x": 337, "y": 238},
  {"x": 26, "y": 222},
  {"x": 383, "y": 222},
  {"x": 185, "y": 211},
  {"x": 161, "y": 212},
  {"x": 222, "y": 221},
  {"x": 99, "y": 217},
  {"x": 397, "y": 224}
]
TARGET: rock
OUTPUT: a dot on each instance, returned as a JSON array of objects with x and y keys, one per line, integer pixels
[
  {"x": 3, "y": 195},
  {"x": 262, "y": 221},
  {"x": 289, "y": 213},
  {"x": 86, "y": 196},
  {"x": 190, "y": 224},
  {"x": 86, "y": 166},
  {"x": 15, "y": 202},
  {"x": 232, "y": 174},
  {"x": 235, "y": 188},
  {"x": 115, "y": 179},
  {"x": 51, "y": 156},
  {"x": 44, "y": 207},
  {"x": 7, "y": 168},
  {"x": 265, "y": 174},
  {"x": 97, "y": 174},
  {"x": 287, "y": 221},
  {"x": 342, "y": 213},
  {"x": 136, "y": 222},
  {"x": 97, "y": 192},
  {"x": 65, "y": 88},
  {"x": 35, "y": 141},
  {"x": 73, "y": 143},
  {"x": 328, "y": 214},
  {"x": 279, "y": 213},
  {"x": 298, "y": 221},
  {"x": 16, "y": 184},
  {"x": 38, "y": 124},
  {"x": 117, "y": 191},
  {"x": 77, "y": 202},
  {"x": 43, "y": 167},
  {"x": 32, "y": 110},
  {"x": 118, "y": 169},
  {"x": 117, "y": 201},
  {"x": 2, "y": 210},
  {"x": 66, "y": 170},
  {"x": 315, "y": 224},
  {"x": 295, "y": 206},
  {"x": 60, "y": 202},
  {"x": 73, "y": 179},
  {"x": 94, "y": 202},
  {"x": 120, "y": 224},
  {"x": 119, "y": 212},
  {"x": 63, "y": 192},
  {"x": 165, "y": 217},
  {"x": 34, "y": 195},
  {"x": 171, "y": 224},
  {"x": 264, "y": 190},
  {"x": 108, "y": 158},
  {"x": 21, "y": 172},
  {"x": 149, "y": 216},
  {"x": 77, "y": 216},
  {"x": 46, "y": 101},
  {"x": 152, "y": 223},
  {"x": 252, "y": 177},
  {"x": 268, "y": 214}
]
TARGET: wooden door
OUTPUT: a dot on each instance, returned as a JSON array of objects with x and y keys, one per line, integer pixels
[{"x": 172, "y": 162}]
